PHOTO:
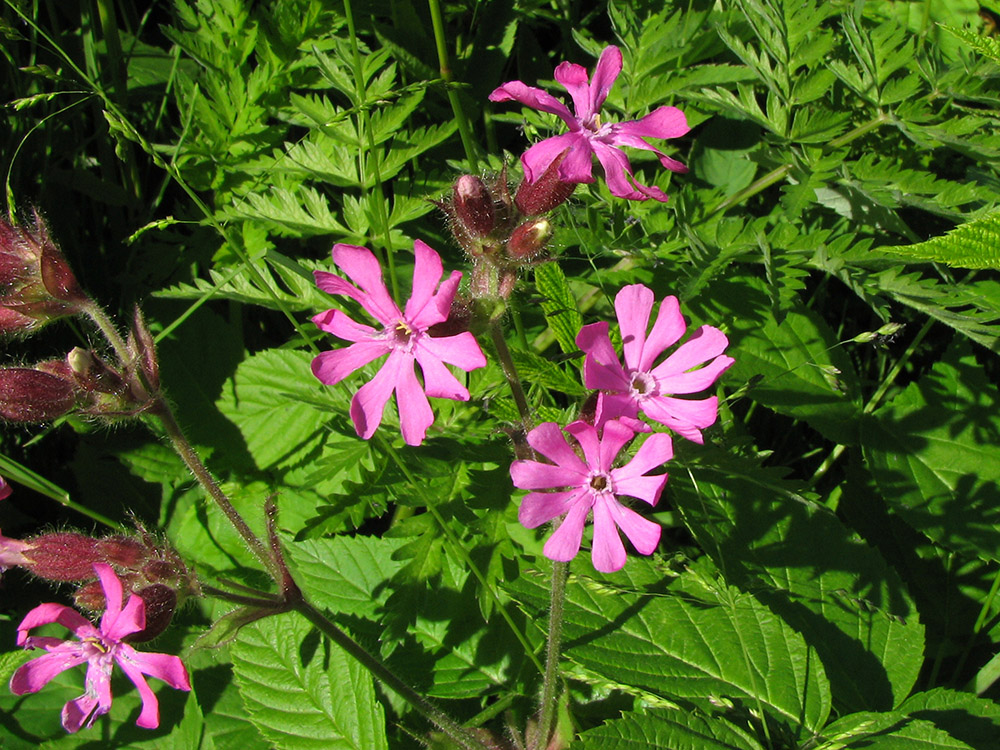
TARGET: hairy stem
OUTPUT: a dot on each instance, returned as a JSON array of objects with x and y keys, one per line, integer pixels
[
  {"x": 464, "y": 131},
  {"x": 551, "y": 685},
  {"x": 510, "y": 372}
]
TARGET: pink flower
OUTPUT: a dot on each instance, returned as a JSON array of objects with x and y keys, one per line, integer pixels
[
  {"x": 5, "y": 489},
  {"x": 402, "y": 335},
  {"x": 588, "y": 136},
  {"x": 12, "y": 552},
  {"x": 101, "y": 648},
  {"x": 641, "y": 385},
  {"x": 591, "y": 484}
]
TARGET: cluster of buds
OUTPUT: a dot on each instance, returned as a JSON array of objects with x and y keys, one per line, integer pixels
[
  {"x": 83, "y": 383},
  {"x": 37, "y": 285},
  {"x": 503, "y": 233},
  {"x": 146, "y": 566}
]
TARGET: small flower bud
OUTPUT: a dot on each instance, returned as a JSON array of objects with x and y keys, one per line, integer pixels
[
  {"x": 473, "y": 205},
  {"x": 161, "y": 602},
  {"x": 142, "y": 347},
  {"x": 28, "y": 395},
  {"x": 529, "y": 239},
  {"x": 546, "y": 192},
  {"x": 122, "y": 551}
]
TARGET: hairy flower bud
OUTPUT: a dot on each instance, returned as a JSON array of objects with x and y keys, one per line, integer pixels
[
  {"x": 161, "y": 602},
  {"x": 29, "y": 395},
  {"x": 473, "y": 205},
  {"x": 36, "y": 280},
  {"x": 142, "y": 347},
  {"x": 62, "y": 556},
  {"x": 529, "y": 239},
  {"x": 545, "y": 193}
]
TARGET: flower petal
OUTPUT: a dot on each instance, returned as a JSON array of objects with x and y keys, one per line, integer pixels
[
  {"x": 362, "y": 267},
  {"x": 667, "y": 331},
  {"x": 343, "y": 327},
  {"x": 696, "y": 380},
  {"x": 131, "y": 620},
  {"x": 78, "y": 711},
  {"x": 662, "y": 122},
  {"x": 633, "y": 304},
  {"x": 32, "y": 676},
  {"x": 616, "y": 167},
  {"x": 705, "y": 343},
  {"x": 609, "y": 66},
  {"x": 619, "y": 406},
  {"x": 601, "y": 368},
  {"x": 564, "y": 543},
  {"x": 45, "y": 614},
  {"x": 655, "y": 451},
  {"x": 538, "y": 157},
  {"x": 575, "y": 80},
  {"x": 333, "y": 366},
  {"x": 461, "y": 350},
  {"x": 166, "y": 667},
  {"x": 415, "y": 414},
  {"x": 608, "y": 554},
  {"x": 590, "y": 444},
  {"x": 643, "y": 533},
  {"x": 534, "y": 475},
  {"x": 536, "y": 99},
  {"x": 548, "y": 440},
  {"x": 614, "y": 435},
  {"x": 438, "y": 380},
  {"x": 368, "y": 403},
  {"x": 539, "y": 507},
  {"x": 149, "y": 717},
  {"x": 686, "y": 417}
]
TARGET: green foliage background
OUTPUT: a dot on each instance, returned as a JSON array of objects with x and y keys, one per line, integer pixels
[{"x": 829, "y": 571}]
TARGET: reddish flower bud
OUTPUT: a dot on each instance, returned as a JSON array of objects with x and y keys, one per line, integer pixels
[
  {"x": 142, "y": 347},
  {"x": 545, "y": 193},
  {"x": 473, "y": 205},
  {"x": 529, "y": 239},
  {"x": 122, "y": 551},
  {"x": 37, "y": 281},
  {"x": 62, "y": 556},
  {"x": 161, "y": 602},
  {"x": 28, "y": 395},
  {"x": 90, "y": 596}
]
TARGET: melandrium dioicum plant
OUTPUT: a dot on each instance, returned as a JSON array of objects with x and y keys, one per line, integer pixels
[{"x": 648, "y": 398}]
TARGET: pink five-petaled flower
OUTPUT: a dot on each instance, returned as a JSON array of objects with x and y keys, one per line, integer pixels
[
  {"x": 641, "y": 385},
  {"x": 591, "y": 485},
  {"x": 588, "y": 136},
  {"x": 403, "y": 336},
  {"x": 101, "y": 648}
]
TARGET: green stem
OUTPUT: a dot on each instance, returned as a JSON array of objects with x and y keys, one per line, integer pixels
[
  {"x": 464, "y": 131},
  {"x": 100, "y": 319},
  {"x": 207, "y": 481},
  {"x": 431, "y": 712},
  {"x": 551, "y": 685},
  {"x": 510, "y": 372}
]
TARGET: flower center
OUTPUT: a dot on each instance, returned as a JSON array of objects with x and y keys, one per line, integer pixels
[
  {"x": 643, "y": 384},
  {"x": 97, "y": 643},
  {"x": 402, "y": 335},
  {"x": 600, "y": 481}
]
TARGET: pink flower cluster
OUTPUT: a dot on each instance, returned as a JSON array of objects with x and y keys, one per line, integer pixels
[{"x": 591, "y": 484}]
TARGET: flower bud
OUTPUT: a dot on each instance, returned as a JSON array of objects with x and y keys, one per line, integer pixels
[
  {"x": 529, "y": 239},
  {"x": 28, "y": 395},
  {"x": 545, "y": 193},
  {"x": 122, "y": 551},
  {"x": 473, "y": 205},
  {"x": 161, "y": 602},
  {"x": 62, "y": 556},
  {"x": 142, "y": 347}
]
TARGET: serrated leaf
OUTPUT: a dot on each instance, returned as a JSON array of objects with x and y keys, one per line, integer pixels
[
  {"x": 303, "y": 693},
  {"x": 935, "y": 457},
  {"x": 727, "y": 645},
  {"x": 972, "y": 245},
  {"x": 887, "y": 731},
  {"x": 677, "y": 730},
  {"x": 966, "y": 717},
  {"x": 559, "y": 305},
  {"x": 810, "y": 569},
  {"x": 276, "y": 403}
]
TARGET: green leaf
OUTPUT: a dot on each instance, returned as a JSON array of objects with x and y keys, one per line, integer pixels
[
  {"x": 701, "y": 643},
  {"x": 935, "y": 457},
  {"x": 677, "y": 730},
  {"x": 972, "y": 245},
  {"x": 966, "y": 717},
  {"x": 800, "y": 560},
  {"x": 559, "y": 305},
  {"x": 277, "y": 405},
  {"x": 304, "y": 693},
  {"x": 887, "y": 731}
]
